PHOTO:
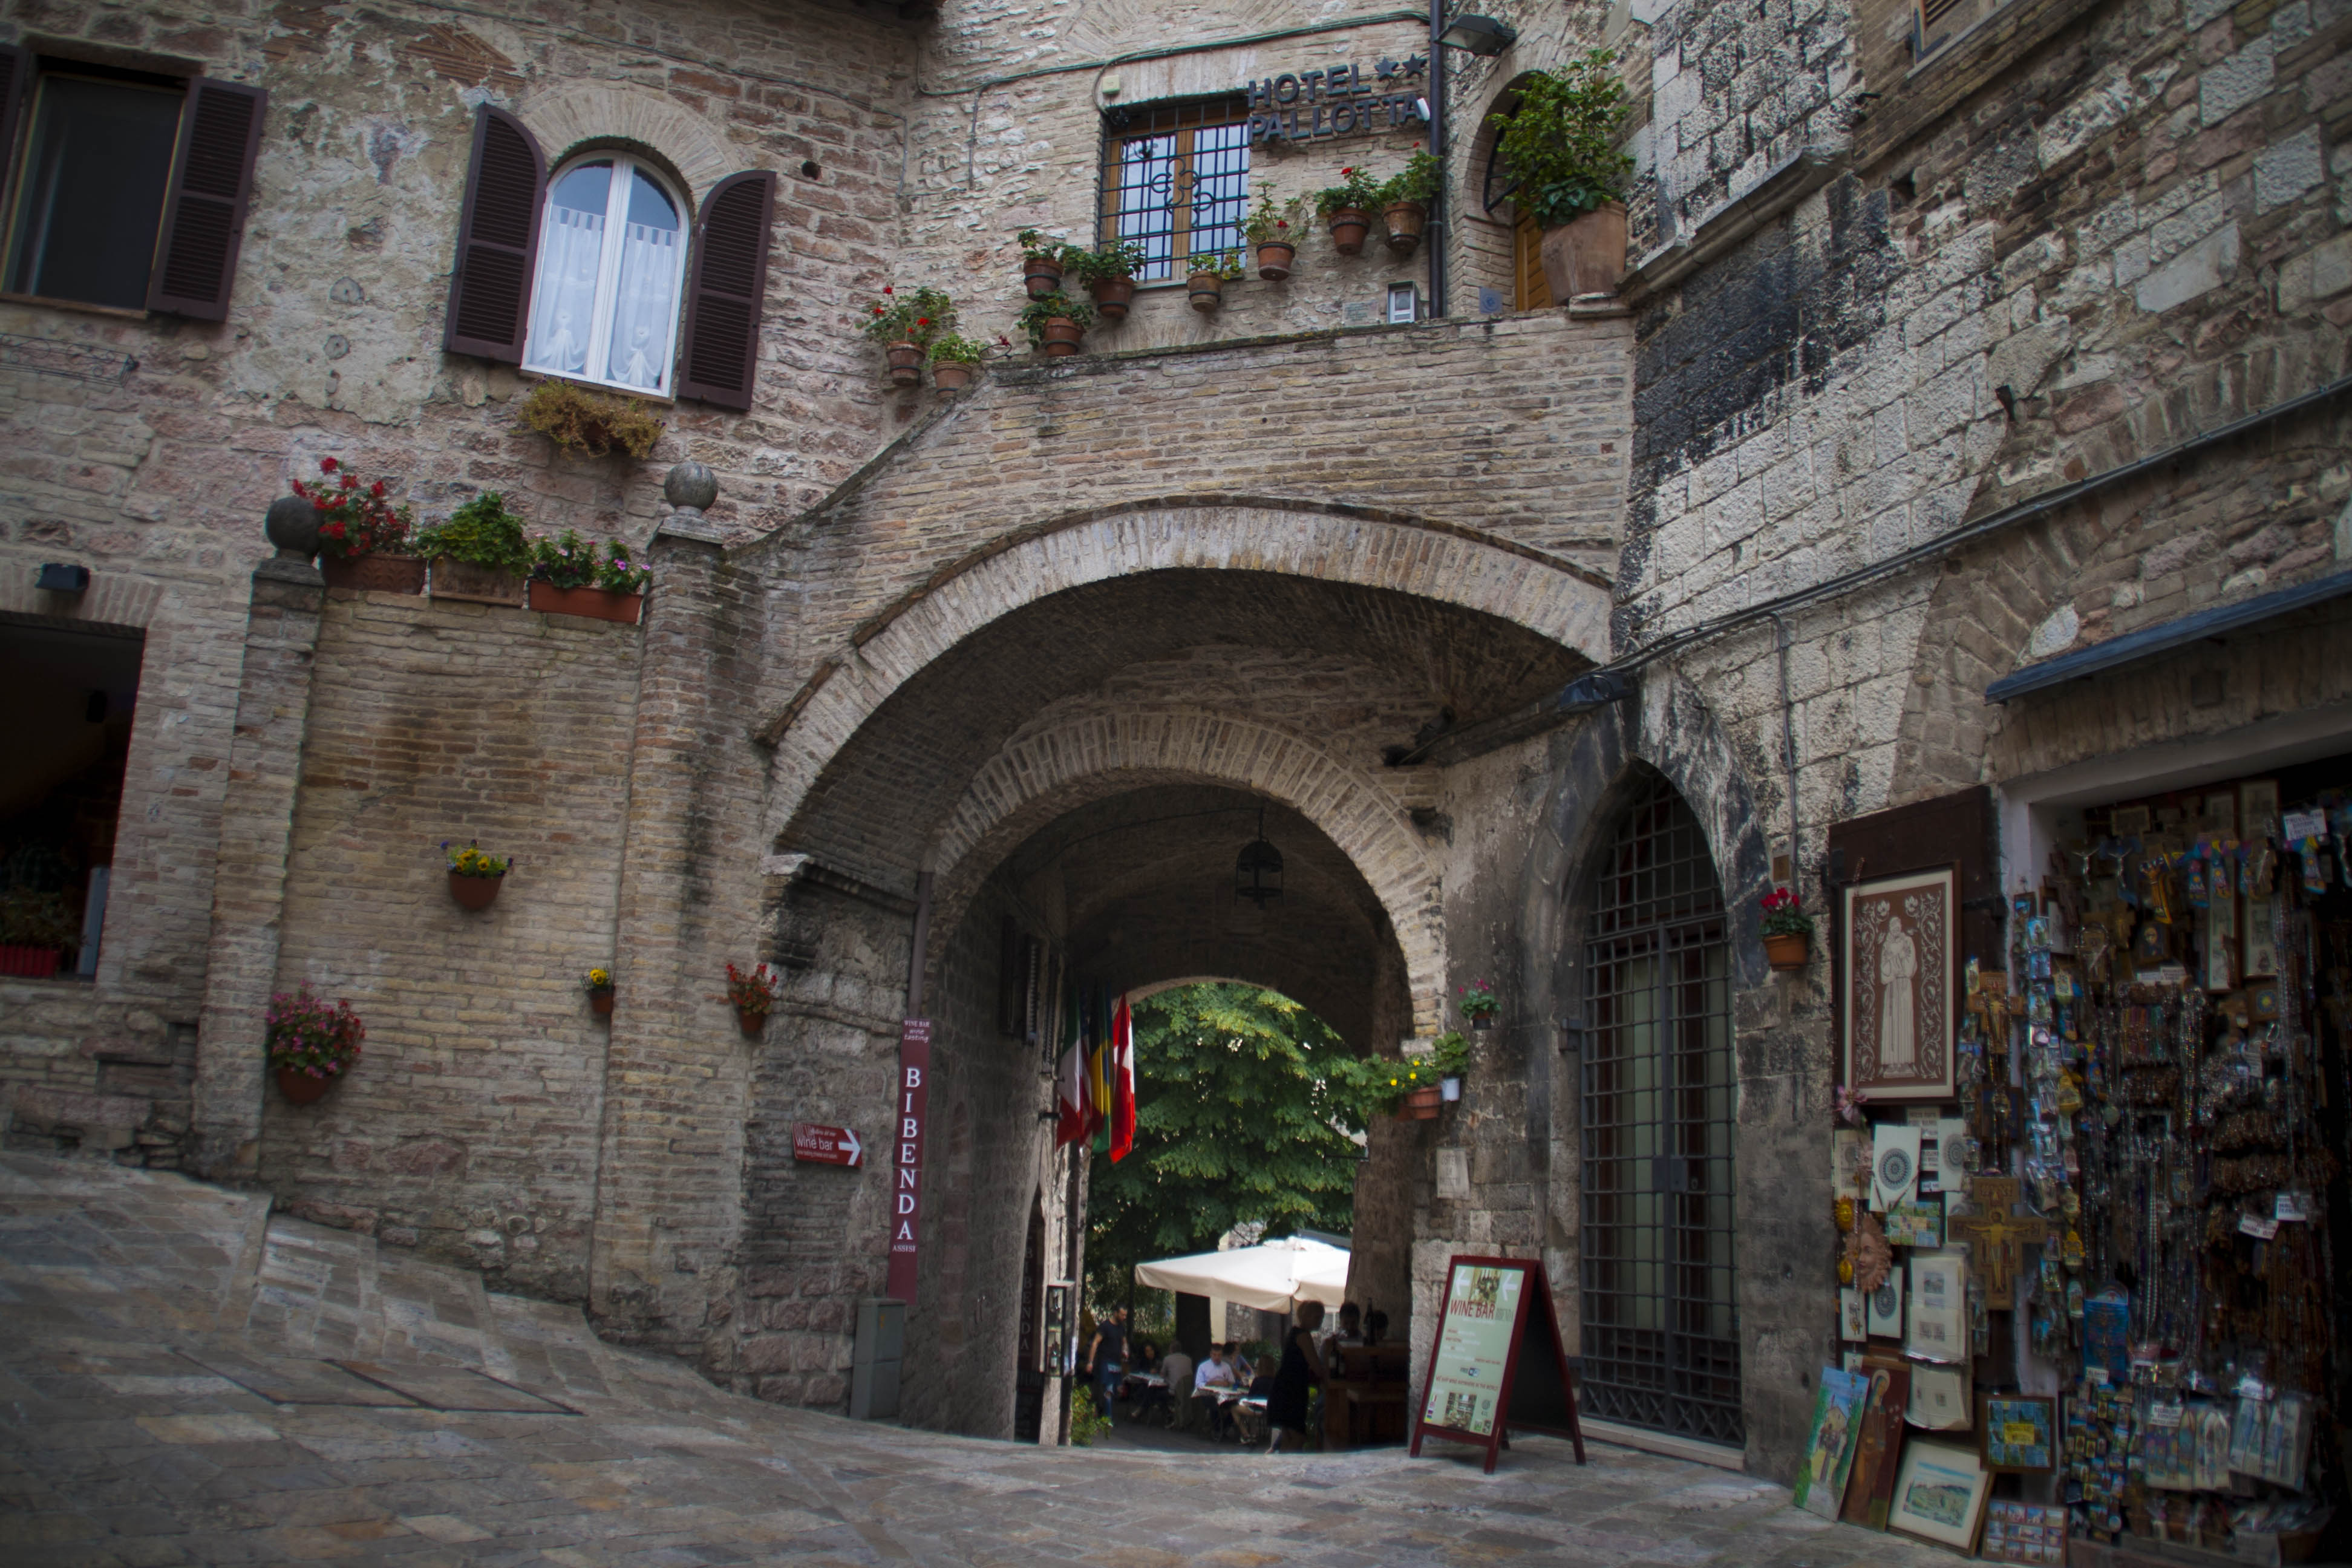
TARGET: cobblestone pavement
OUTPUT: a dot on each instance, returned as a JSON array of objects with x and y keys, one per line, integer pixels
[{"x": 185, "y": 1379}]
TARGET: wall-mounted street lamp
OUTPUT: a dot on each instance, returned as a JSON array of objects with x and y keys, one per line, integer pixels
[
  {"x": 1479, "y": 35},
  {"x": 1257, "y": 870}
]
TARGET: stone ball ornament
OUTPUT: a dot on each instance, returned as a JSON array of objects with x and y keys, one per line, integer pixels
[
  {"x": 292, "y": 525},
  {"x": 690, "y": 487}
]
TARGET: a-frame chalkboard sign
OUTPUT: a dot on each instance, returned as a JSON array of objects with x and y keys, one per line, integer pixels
[{"x": 1499, "y": 1361}]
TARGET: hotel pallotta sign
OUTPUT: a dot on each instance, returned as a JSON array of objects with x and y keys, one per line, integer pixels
[{"x": 1339, "y": 101}]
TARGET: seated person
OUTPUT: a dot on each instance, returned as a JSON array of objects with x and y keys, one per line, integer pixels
[
  {"x": 1213, "y": 1375},
  {"x": 1262, "y": 1383},
  {"x": 1351, "y": 1332}
]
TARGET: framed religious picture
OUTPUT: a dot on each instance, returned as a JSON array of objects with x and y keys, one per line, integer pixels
[
  {"x": 2017, "y": 1434},
  {"x": 1940, "y": 1492},
  {"x": 1899, "y": 969}
]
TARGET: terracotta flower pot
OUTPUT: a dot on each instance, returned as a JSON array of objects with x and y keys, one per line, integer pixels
[
  {"x": 24, "y": 963},
  {"x": 1790, "y": 950},
  {"x": 475, "y": 893},
  {"x": 906, "y": 365},
  {"x": 751, "y": 1023},
  {"x": 1422, "y": 1104},
  {"x": 589, "y": 604},
  {"x": 1404, "y": 221},
  {"x": 1112, "y": 297},
  {"x": 302, "y": 1088},
  {"x": 454, "y": 579},
  {"x": 1063, "y": 337},
  {"x": 1587, "y": 256},
  {"x": 599, "y": 1001},
  {"x": 1274, "y": 259},
  {"x": 1208, "y": 290},
  {"x": 375, "y": 573},
  {"x": 1042, "y": 275},
  {"x": 952, "y": 374},
  {"x": 1349, "y": 226}
]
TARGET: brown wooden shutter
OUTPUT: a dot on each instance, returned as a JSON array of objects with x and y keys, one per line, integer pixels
[
  {"x": 16, "y": 84},
  {"x": 203, "y": 210},
  {"x": 497, "y": 240},
  {"x": 719, "y": 348}
]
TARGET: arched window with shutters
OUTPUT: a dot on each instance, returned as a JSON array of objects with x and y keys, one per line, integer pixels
[{"x": 611, "y": 259}]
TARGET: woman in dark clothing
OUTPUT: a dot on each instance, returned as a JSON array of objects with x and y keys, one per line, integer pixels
[{"x": 1286, "y": 1406}]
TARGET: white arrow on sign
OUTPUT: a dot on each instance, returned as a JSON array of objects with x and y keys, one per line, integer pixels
[{"x": 857, "y": 1150}]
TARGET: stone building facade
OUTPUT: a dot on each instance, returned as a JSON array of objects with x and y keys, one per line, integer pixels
[{"x": 1935, "y": 359}]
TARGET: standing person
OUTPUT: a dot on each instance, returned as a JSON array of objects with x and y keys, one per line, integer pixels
[
  {"x": 1107, "y": 1359},
  {"x": 1176, "y": 1368},
  {"x": 1302, "y": 1368}
]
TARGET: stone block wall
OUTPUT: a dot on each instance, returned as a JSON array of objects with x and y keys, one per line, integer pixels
[{"x": 470, "y": 1127}]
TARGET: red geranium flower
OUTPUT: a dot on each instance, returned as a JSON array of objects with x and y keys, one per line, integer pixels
[
  {"x": 377, "y": 489},
  {"x": 326, "y": 465},
  {"x": 922, "y": 321},
  {"x": 887, "y": 289}
]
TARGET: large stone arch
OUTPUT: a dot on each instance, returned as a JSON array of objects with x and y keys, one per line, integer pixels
[
  {"x": 1528, "y": 588},
  {"x": 1051, "y": 770}
]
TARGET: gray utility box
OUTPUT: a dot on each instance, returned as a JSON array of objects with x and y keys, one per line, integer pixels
[{"x": 874, "y": 1364}]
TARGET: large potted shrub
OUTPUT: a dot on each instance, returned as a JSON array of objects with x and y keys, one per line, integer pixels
[
  {"x": 36, "y": 932},
  {"x": 569, "y": 576},
  {"x": 1108, "y": 273},
  {"x": 1347, "y": 207},
  {"x": 479, "y": 554},
  {"x": 1273, "y": 227},
  {"x": 1404, "y": 201},
  {"x": 363, "y": 537},
  {"x": 1559, "y": 145},
  {"x": 1056, "y": 324},
  {"x": 311, "y": 1045},
  {"x": 594, "y": 424}
]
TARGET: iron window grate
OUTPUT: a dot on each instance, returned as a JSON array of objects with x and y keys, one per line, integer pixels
[
  {"x": 1176, "y": 182},
  {"x": 1660, "y": 1323}
]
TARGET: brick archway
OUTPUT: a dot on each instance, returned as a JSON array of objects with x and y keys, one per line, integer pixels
[
  {"x": 1052, "y": 770},
  {"x": 1527, "y": 588}
]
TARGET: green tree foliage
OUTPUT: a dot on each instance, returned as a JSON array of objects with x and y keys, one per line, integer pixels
[{"x": 1234, "y": 1122}]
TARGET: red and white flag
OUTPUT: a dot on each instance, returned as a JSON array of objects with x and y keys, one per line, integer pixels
[{"x": 1122, "y": 1110}]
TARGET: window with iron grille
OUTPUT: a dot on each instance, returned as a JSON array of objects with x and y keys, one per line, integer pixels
[
  {"x": 1175, "y": 180},
  {"x": 1661, "y": 1325}
]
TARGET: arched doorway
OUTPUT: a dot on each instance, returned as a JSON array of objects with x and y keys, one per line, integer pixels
[{"x": 1661, "y": 1330}]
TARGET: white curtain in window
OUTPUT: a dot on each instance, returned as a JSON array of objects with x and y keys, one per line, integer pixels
[
  {"x": 568, "y": 255},
  {"x": 646, "y": 305}
]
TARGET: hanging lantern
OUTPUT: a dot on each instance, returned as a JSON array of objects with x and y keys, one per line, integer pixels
[{"x": 1257, "y": 870}]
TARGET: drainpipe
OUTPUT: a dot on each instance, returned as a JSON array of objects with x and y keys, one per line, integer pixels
[
  {"x": 1788, "y": 754},
  {"x": 922, "y": 944},
  {"x": 1437, "y": 225}
]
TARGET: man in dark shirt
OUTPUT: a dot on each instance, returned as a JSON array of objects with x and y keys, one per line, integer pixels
[{"x": 1107, "y": 1359}]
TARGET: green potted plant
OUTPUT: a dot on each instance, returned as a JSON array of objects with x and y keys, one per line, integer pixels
[
  {"x": 1559, "y": 145},
  {"x": 1405, "y": 200},
  {"x": 1041, "y": 263},
  {"x": 752, "y": 994},
  {"x": 363, "y": 537},
  {"x": 594, "y": 424},
  {"x": 1478, "y": 1003},
  {"x": 1448, "y": 1059},
  {"x": 1056, "y": 324},
  {"x": 1787, "y": 931},
  {"x": 1108, "y": 273},
  {"x": 479, "y": 554},
  {"x": 311, "y": 1046},
  {"x": 475, "y": 877},
  {"x": 1346, "y": 208},
  {"x": 955, "y": 361},
  {"x": 1207, "y": 276},
  {"x": 906, "y": 326},
  {"x": 600, "y": 991},
  {"x": 34, "y": 933},
  {"x": 1408, "y": 1087},
  {"x": 569, "y": 576},
  {"x": 1272, "y": 228}
]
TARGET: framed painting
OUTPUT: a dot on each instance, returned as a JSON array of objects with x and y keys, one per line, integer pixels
[
  {"x": 2017, "y": 1434},
  {"x": 1940, "y": 1493},
  {"x": 1899, "y": 966}
]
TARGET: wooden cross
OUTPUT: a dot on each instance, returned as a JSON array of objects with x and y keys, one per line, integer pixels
[{"x": 1997, "y": 1237}]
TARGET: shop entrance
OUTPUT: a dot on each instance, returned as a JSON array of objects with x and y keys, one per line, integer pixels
[{"x": 1661, "y": 1324}]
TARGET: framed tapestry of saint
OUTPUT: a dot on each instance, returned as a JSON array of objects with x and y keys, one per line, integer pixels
[{"x": 1901, "y": 968}]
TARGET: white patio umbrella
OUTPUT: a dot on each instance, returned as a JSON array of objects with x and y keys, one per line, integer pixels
[{"x": 1273, "y": 1277}]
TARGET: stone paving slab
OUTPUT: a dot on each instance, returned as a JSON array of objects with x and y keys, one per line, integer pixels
[{"x": 138, "y": 1424}]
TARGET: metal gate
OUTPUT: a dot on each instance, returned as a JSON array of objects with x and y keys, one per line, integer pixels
[{"x": 1661, "y": 1324}]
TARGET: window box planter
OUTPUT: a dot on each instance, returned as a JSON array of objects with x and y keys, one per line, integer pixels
[
  {"x": 1113, "y": 296},
  {"x": 454, "y": 579},
  {"x": 1422, "y": 1104},
  {"x": 1404, "y": 221},
  {"x": 475, "y": 893},
  {"x": 375, "y": 574},
  {"x": 1274, "y": 259},
  {"x": 1063, "y": 337},
  {"x": 23, "y": 962},
  {"x": 588, "y": 603},
  {"x": 1042, "y": 276},
  {"x": 302, "y": 1089},
  {"x": 1788, "y": 951},
  {"x": 1208, "y": 290},
  {"x": 906, "y": 365},
  {"x": 1348, "y": 228},
  {"x": 952, "y": 376},
  {"x": 1588, "y": 256}
]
